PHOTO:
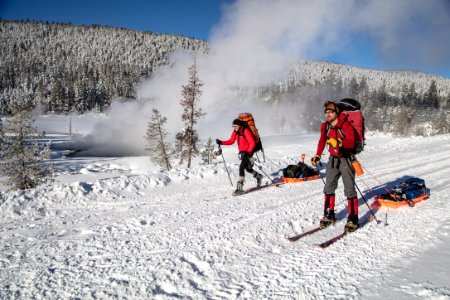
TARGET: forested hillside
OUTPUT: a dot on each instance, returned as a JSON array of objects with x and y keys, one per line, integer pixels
[
  {"x": 78, "y": 68},
  {"x": 65, "y": 68},
  {"x": 399, "y": 102}
]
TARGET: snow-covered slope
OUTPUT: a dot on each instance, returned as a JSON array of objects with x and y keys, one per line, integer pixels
[
  {"x": 110, "y": 228},
  {"x": 311, "y": 72}
]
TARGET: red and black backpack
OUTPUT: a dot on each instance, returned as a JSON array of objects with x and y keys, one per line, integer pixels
[
  {"x": 353, "y": 114},
  {"x": 249, "y": 122}
]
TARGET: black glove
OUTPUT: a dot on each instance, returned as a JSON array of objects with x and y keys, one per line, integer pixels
[
  {"x": 315, "y": 160},
  {"x": 219, "y": 142}
]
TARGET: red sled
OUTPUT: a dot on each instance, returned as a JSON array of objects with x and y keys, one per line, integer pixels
[
  {"x": 297, "y": 180},
  {"x": 383, "y": 202}
]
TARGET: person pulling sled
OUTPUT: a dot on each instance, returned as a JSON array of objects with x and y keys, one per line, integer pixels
[
  {"x": 338, "y": 134},
  {"x": 246, "y": 145}
]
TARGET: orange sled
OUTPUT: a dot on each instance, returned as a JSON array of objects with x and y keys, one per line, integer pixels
[
  {"x": 380, "y": 201},
  {"x": 297, "y": 180}
]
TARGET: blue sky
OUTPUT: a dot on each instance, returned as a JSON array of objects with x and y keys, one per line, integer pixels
[
  {"x": 184, "y": 17},
  {"x": 194, "y": 18}
]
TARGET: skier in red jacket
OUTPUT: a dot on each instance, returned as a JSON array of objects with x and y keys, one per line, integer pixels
[
  {"x": 338, "y": 134},
  {"x": 246, "y": 145}
]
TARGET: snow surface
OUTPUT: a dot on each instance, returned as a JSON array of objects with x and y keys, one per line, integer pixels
[{"x": 119, "y": 228}]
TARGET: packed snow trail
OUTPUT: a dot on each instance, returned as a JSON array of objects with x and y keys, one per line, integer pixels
[{"x": 152, "y": 236}]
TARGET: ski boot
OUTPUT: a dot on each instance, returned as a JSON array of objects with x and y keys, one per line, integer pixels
[
  {"x": 258, "y": 178},
  {"x": 352, "y": 223},
  {"x": 327, "y": 219},
  {"x": 239, "y": 189}
]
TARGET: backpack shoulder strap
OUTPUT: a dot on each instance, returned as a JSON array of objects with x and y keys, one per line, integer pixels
[
  {"x": 243, "y": 131},
  {"x": 339, "y": 128},
  {"x": 327, "y": 128}
]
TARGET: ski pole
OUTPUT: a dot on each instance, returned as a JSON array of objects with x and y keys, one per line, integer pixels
[
  {"x": 364, "y": 198},
  {"x": 320, "y": 164},
  {"x": 262, "y": 171},
  {"x": 379, "y": 182},
  {"x": 225, "y": 164}
]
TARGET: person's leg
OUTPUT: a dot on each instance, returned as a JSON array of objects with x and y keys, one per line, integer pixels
[
  {"x": 348, "y": 177},
  {"x": 332, "y": 176},
  {"x": 331, "y": 183},
  {"x": 249, "y": 168},
  {"x": 328, "y": 207},
  {"x": 240, "y": 184}
]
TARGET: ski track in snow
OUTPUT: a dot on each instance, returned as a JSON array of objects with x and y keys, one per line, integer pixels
[{"x": 152, "y": 236}]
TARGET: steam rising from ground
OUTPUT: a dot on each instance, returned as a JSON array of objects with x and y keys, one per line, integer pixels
[{"x": 255, "y": 44}]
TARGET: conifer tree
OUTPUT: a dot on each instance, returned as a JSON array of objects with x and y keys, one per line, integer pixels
[
  {"x": 57, "y": 97},
  {"x": 208, "y": 154},
  {"x": 447, "y": 104},
  {"x": 2, "y": 141},
  {"x": 22, "y": 159},
  {"x": 431, "y": 98},
  {"x": 364, "y": 91},
  {"x": 159, "y": 150},
  {"x": 404, "y": 95},
  {"x": 81, "y": 96},
  {"x": 400, "y": 121},
  {"x": 440, "y": 123},
  {"x": 413, "y": 96},
  {"x": 187, "y": 139},
  {"x": 353, "y": 88}
]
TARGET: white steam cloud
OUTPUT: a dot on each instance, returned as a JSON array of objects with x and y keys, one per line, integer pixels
[{"x": 255, "y": 44}]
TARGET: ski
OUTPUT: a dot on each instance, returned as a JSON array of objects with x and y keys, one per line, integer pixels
[
  {"x": 249, "y": 190},
  {"x": 302, "y": 235},
  {"x": 340, "y": 236},
  {"x": 257, "y": 188},
  {"x": 332, "y": 240}
]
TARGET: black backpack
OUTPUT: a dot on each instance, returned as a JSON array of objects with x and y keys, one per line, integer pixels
[{"x": 299, "y": 170}]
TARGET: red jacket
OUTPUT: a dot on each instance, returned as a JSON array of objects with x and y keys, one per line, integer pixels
[
  {"x": 245, "y": 140},
  {"x": 348, "y": 142}
]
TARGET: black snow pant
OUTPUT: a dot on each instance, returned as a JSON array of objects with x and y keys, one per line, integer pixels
[{"x": 246, "y": 164}]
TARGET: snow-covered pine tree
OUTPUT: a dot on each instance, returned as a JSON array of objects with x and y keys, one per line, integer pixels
[
  {"x": 2, "y": 141},
  {"x": 81, "y": 96},
  {"x": 187, "y": 139},
  {"x": 431, "y": 97},
  {"x": 413, "y": 96},
  {"x": 440, "y": 123},
  {"x": 57, "y": 97},
  {"x": 22, "y": 159},
  {"x": 353, "y": 88},
  {"x": 208, "y": 153},
  {"x": 159, "y": 150},
  {"x": 400, "y": 121}
]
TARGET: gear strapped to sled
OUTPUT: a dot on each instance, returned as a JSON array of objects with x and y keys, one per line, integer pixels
[{"x": 409, "y": 192}]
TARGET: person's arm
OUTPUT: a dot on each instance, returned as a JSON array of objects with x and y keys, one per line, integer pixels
[
  {"x": 320, "y": 146},
  {"x": 231, "y": 140},
  {"x": 322, "y": 140}
]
